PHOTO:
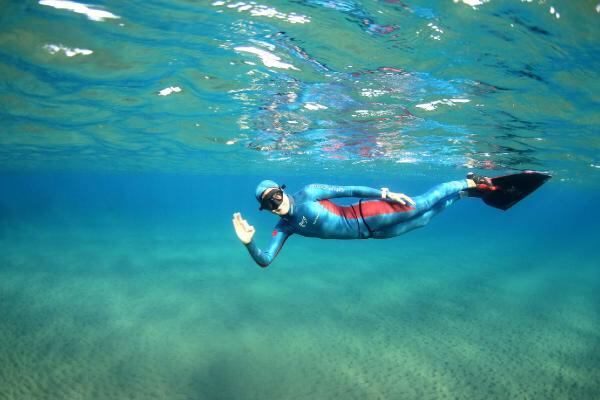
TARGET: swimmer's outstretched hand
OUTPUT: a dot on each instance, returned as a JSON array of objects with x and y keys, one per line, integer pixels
[
  {"x": 243, "y": 230},
  {"x": 402, "y": 199}
]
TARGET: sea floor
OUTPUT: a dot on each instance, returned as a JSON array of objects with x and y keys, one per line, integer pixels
[{"x": 446, "y": 312}]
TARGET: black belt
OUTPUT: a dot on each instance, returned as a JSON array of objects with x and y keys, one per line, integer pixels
[{"x": 363, "y": 219}]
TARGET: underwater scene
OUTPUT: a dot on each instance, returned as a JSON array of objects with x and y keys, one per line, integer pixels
[{"x": 132, "y": 132}]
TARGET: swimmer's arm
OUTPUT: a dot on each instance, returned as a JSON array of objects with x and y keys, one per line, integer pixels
[
  {"x": 264, "y": 258},
  {"x": 321, "y": 192}
]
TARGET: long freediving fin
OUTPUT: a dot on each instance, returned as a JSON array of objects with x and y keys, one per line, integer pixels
[{"x": 510, "y": 189}]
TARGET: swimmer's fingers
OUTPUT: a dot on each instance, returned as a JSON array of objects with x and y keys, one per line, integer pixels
[
  {"x": 408, "y": 200},
  {"x": 237, "y": 219},
  {"x": 241, "y": 224},
  {"x": 247, "y": 226},
  {"x": 243, "y": 229},
  {"x": 402, "y": 199},
  {"x": 237, "y": 216},
  {"x": 396, "y": 197},
  {"x": 238, "y": 222}
]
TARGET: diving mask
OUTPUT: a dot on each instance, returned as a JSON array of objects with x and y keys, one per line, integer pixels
[{"x": 272, "y": 200}]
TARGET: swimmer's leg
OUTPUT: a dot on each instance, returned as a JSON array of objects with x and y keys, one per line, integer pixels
[
  {"x": 439, "y": 193},
  {"x": 418, "y": 221},
  {"x": 429, "y": 204}
]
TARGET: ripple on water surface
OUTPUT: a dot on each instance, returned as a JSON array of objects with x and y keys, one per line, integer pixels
[{"x": 312, "y": 84}]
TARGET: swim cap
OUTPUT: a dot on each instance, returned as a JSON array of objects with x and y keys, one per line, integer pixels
[{"x": 264, "y": 185}]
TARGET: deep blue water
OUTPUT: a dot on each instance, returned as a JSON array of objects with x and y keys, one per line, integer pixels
[{"x": 132, "y": 131}]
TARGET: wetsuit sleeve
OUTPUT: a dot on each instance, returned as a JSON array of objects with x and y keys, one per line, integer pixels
[
  {"x": 318, "y": 191},
  {"x": 264, "y": 258}
]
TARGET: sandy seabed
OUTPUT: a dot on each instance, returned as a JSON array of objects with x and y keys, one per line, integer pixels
[{"x": 89, "y": 315}]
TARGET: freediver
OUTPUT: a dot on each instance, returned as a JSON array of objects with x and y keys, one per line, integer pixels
[{"x": 379, "y": 213}]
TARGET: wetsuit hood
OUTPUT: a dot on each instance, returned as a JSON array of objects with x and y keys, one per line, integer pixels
[{"x": 264, "y": 185}]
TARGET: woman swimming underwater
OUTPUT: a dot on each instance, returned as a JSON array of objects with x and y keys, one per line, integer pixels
[{"x": 379, "y": 213}]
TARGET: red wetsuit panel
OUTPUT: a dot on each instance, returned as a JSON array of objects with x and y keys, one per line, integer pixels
[
  {"x": 369, "y": 208},
  {"x": 348, "y": 212},
  {"x": 378, "y": 207}
]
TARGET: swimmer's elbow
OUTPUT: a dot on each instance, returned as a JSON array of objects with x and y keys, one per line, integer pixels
[
  {"x": 264, "y": 260},
  {"x": 263, "y": 264}
]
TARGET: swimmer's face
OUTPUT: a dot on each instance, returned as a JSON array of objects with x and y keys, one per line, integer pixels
[{"x": 273, "y": 199}]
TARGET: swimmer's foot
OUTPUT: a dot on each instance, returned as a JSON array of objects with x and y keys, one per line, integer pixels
[{"x": 479, "y": 185}]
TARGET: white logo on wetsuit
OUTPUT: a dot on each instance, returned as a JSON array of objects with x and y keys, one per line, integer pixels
[
  {"x": 303, "y": 222},
  {"x": 326, "y": 187},
  {"x": 317, "y": 217}
]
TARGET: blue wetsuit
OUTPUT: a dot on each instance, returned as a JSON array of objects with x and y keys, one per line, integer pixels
[{"x": 312, "y": 214}]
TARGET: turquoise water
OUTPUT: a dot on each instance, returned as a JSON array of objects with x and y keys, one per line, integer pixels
[{"x": 131, "y": 131}]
